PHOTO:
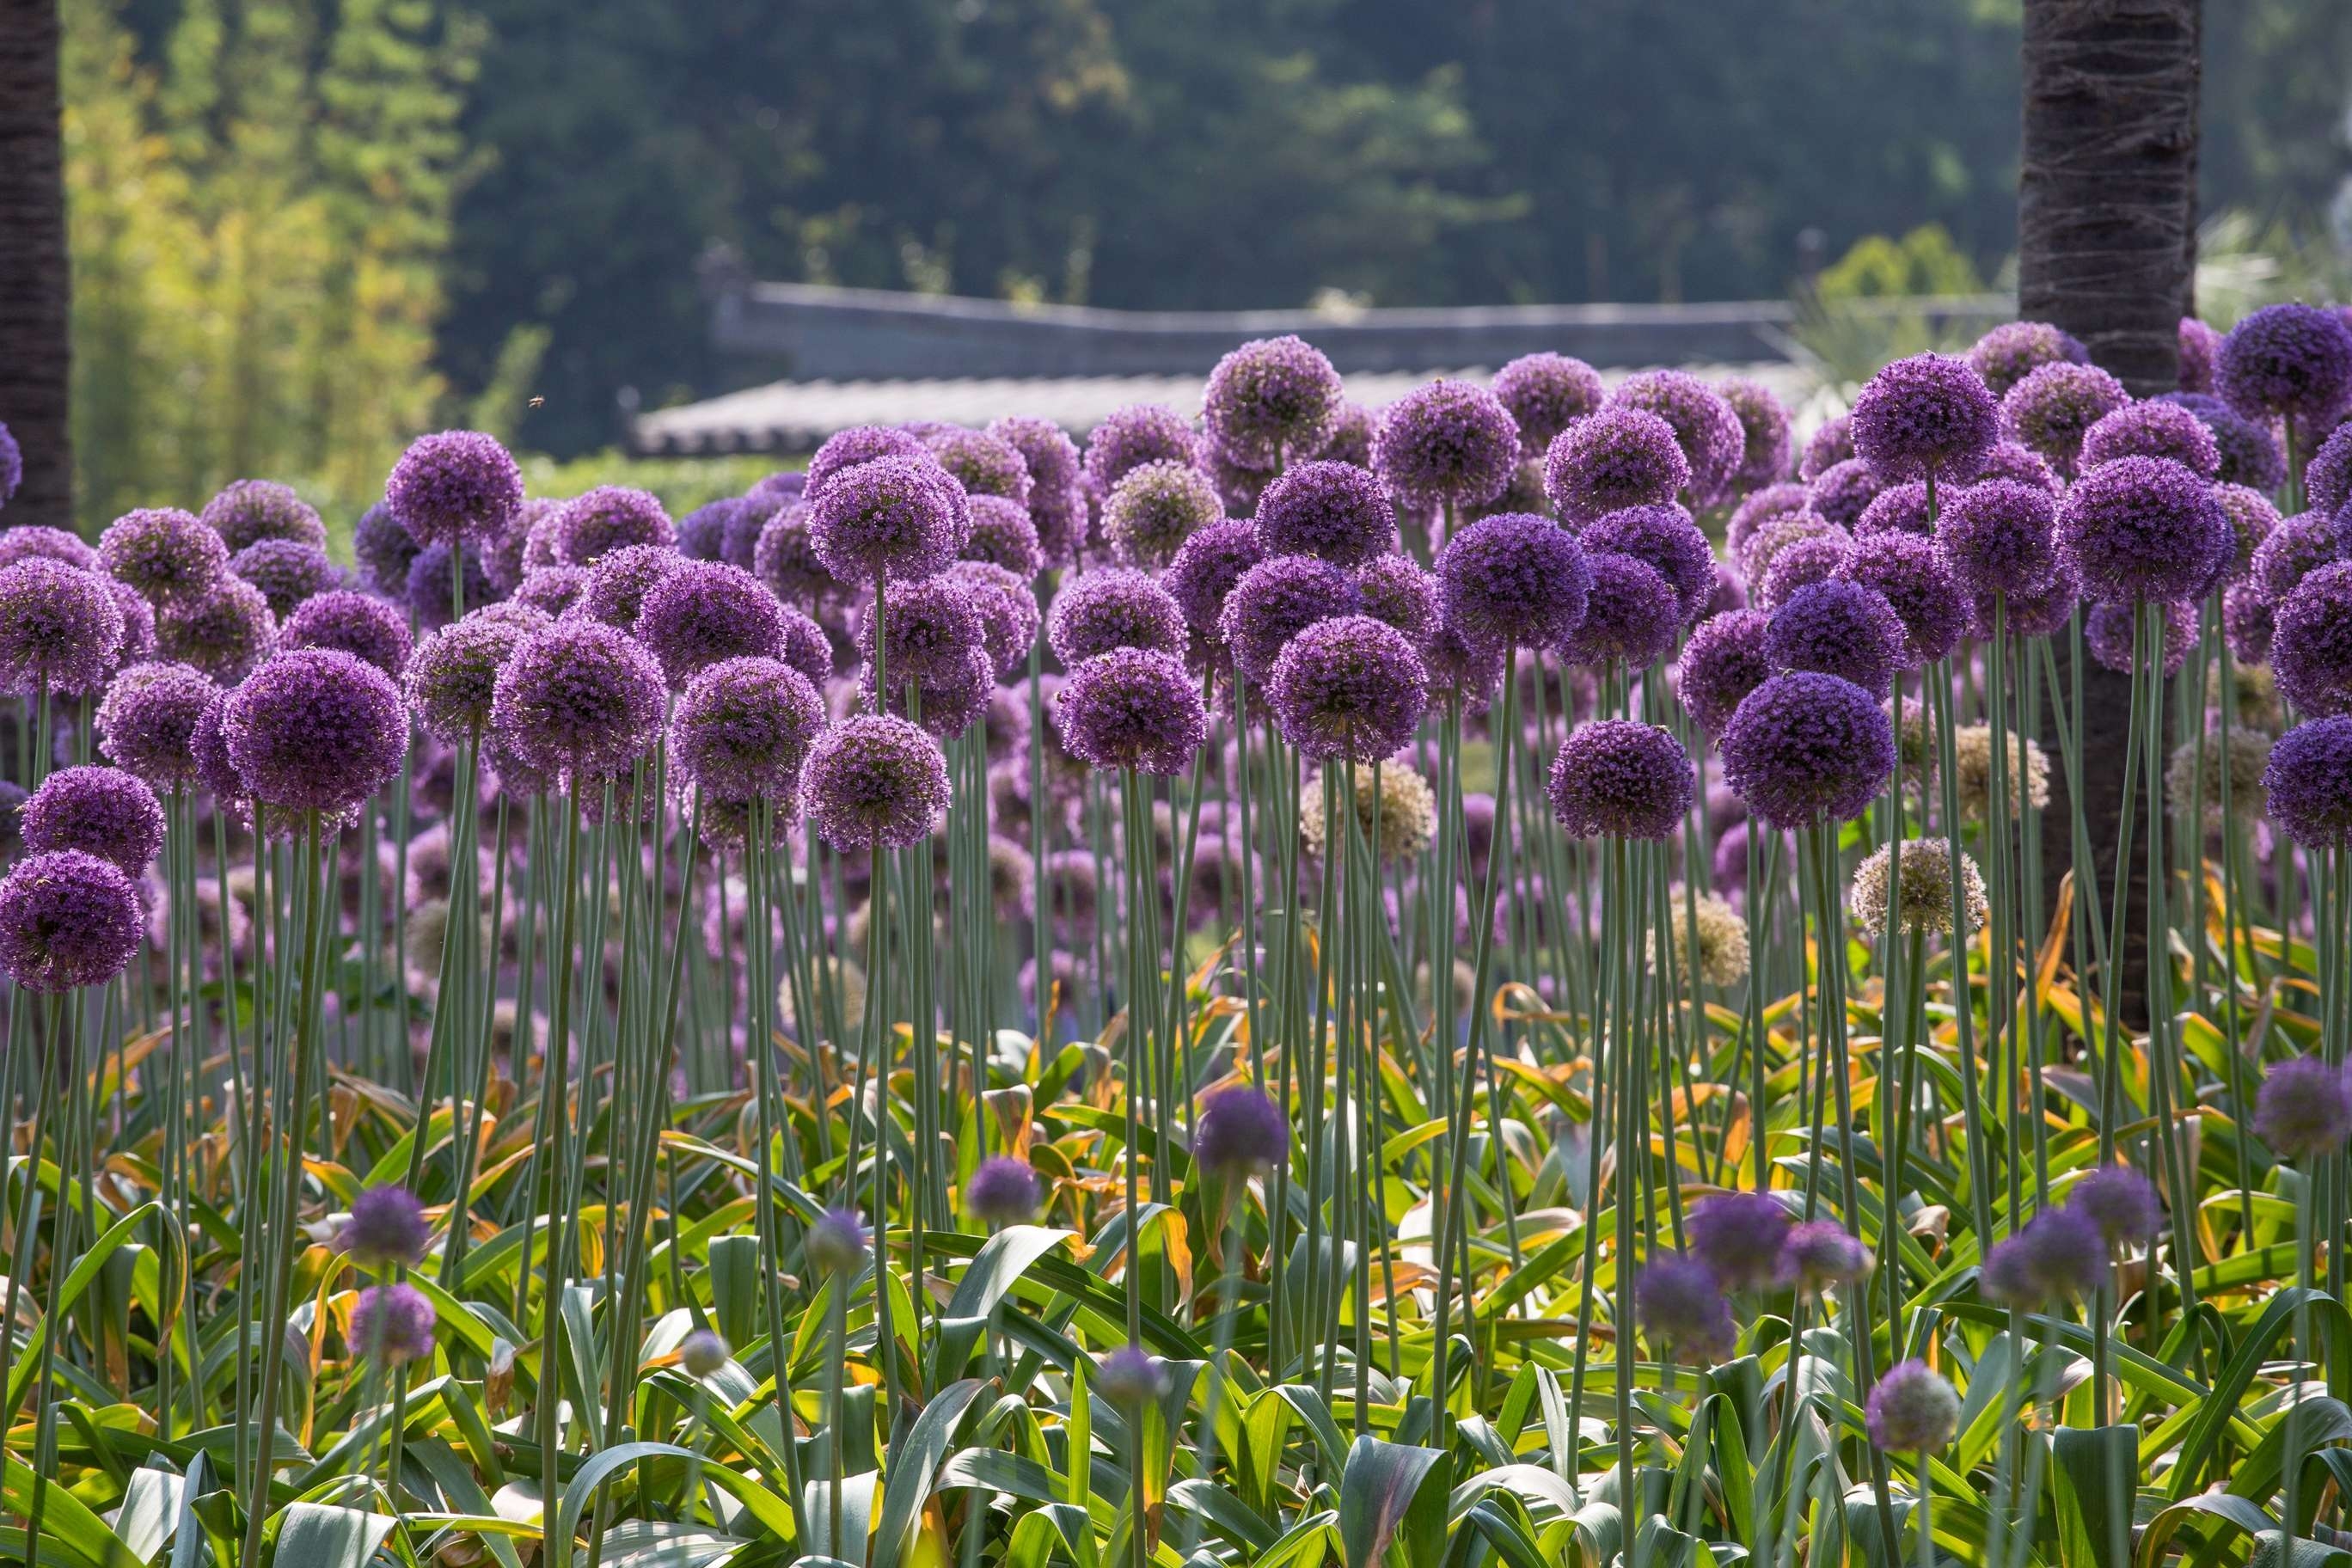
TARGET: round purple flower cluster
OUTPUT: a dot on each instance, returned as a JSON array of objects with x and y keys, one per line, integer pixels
[
  {"x": 2199, "y": 350},
  {"x": 1447, "y": 444},
  {"x": 1153, "y": 510},
  {"x": 853, "y": 447},
  {"x": 1803, "y": 747},
  {"x": 2311, "y": 642},
  {"x": 1913, "y": 1409},
  {"x": 1913, "y": 578},
  {"x": 2292, "y": 549},
  {"x": 60, "y": 629},
  {"x": 1545, "y": 394},
  {"x": 2051, "y": 410},
  {"x": 386, "y": 1228},
  {"x": 2304, "y": 1109},
  {"x": 250, "y": 510},
  {"x": 1764, "y": 423},
  {"x": 2292, "y": 361},
  {"x": 1275, "y": 600},
  {"x": 1002, "y": 535},
  {"x": 1999, "y": 536},
  {"x": 1333, "y": 510},
  {"x": 1630, "y": 614},
  {"x": 1838, "y": 628},
  {"x": 2153, "y": 429},
  {"x": 1130, "y": 437},
  {"x": 900, "y": 517},
  {"x": 984, "y": 465},
  {"x": 615, "y": 591},
  {"x": 1002, "y": 1191},
  {"x": 1397, "y": 593},
  {"x": 1113, "y": 608},
  {"x": 366, "y": 628},
  {"x": 167, "y": 554},
  {"x": 453, "y": 487},
  {"x": 2014, "y": 349},
  {"x": 66, "y": 919},
  {"x": 453, "y": 679},
  {"x": 1723, "y": 660},
  {"x": 2060, "y": 1255},
  {"x": 1897, "y": 509},
  {"x": 1205, "y": 569},
  {"x": 2144, "y": 528},
  {"x": 1705, "y": 428},
  {"x": 2308, "y": 780},
  {"x": 1678, "y": 1304},
  {"x": 875, "y": 779},
  {"x": 315, "y": 730},
  {"x": 1926, "y": 417},
  {"x": 1513, "y": 580},
  {"x": 1740, "y": 1237},
  {"x": 743, "y": 728},
  {"x": 1619, "y": 457},
  {"x": 577, "y": 697},
  {"x": 286, "y": 572},
  {"x": 592, "y": 526},
  {"x": 1829, "y": 446},
  {"x": 147, "y": 723},
  {"x": 1239, "y": 1130},
  {"x": 1350, "y": 687},
  {"x": 1842, "y": 492},
  {"x": 1665, "y": 539},
  {"x": 1616, "y": 778},
  {"x": 706, "y": 611},
  {"x": 392, "y": 1324},
  {"x": 1131, "y": 708},
  {"x": 1271, "y": 401},
  {"x": 104, "y": 812}
]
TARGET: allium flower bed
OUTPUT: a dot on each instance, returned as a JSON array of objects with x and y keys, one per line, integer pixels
[{"x": 1469, "y": 984}]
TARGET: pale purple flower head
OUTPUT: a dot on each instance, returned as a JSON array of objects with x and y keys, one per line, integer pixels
[
  {"x": 386, "y": 1228},
  {"x": 934, "y": 625},
  {"x": 455, "y": 486},
  {"x": 2327, "y": 477},
  {"x": 1758, "y": 510},
  {"x": 2309, "y": 782},
  {"x": 1805, "y": 746},
  {"x": 1131, "y": 708},
  {"x": 1003, "y": 534},
  {"x": 739, "y": 541},
  {"x": 1842, "y": 494},
  {"x": 855, "y": 446},
  {"x": 874, "y": 779},
  {"x": 1275, "y": 600},
  {"x": 1678, "y": 1303},
  {"x": 2108, "y": 633},
  {"x": 1131, "y": 1377},
  {"x": 2311, "y": 642},
  {"x": 984, "y": 465},
  {"x": 619, "y": 581},
  {"x": 1801, "y": 564},
  {"x": 1838, "y": 628},
  {"x": 1830, "y": 445},
  {"x": 1630, "y": 614},
  {"x": 366, "y": 628},
  {"x": 2145, "y": 528},
  {"x": 1915, "y": 579},
  {"x": 1271, "y": 401},
  {"x": 66, "y": 919},
  {"x": 1447, "y": 443},
  {"x": 392, "y": 1324},
  {"x": 704, "y": 1352},
  {"x": 2059, "y": 1257},
  {"x": 1154, "y": 509},
  {"x": 900, "y": 517},
  {"x": 1665, "y": 538},
  {"x": 706, "y": 611},
  {"x": 1399, "y": 592},
  {"x": 60, "y": 628},
  {"x": 1913, "y": 1409},
  {"x": 1002, "y": 1191},
  {"x": 2304, "y": 1109},
  {"x": 2201, "y": 350},
  {"x": 167, "y": 554},
  {"x": 1740, "y": 1237},
  {"x": 249, "y": 511},
  {"x": 785, "y": 558},
  {"x": 1819, "y": 1254},
  {"x": 12, "y": 466},
  {"x": 1205, "y": 569},
  {"x": 454, "y": 675},
  {"x": 1138, "y": 433},
  {"x": 702, "y": 533},
  {"x": 2014, "y": 349},
  {"x": 1705, "y": 427},
  {"x": 1007, "y": 606},
  {"x": 1765, "y": 545},
  {"x": 1239, "y": 1130},
  {"x": 743, "y": 730},
  {"x": 592, "y": 526},
  {"x": 1619, "y": 457},
  {"x": 315, "y": 730},
  {"x": 1616, "y": 778},
  {"x": 1546, "y": 394},
  {"x": 1351, "y": 437},
  {"x": 2051, "y": 410},
  {"x": 1049, "y": 455},
  {"x": 2119, "y": 1201},
  {"x": 2290, "y": 551},
  {"x": 1113, "y": 608},
  {"x": 286, "y": 572},
  {"x": 838, "y": 1242},
  {"x": 538, "y": 524},
  {"x": 1722, "y": 662},
  {"x": 1926, "y": 416},
  {"x": 2010, "y": 460},
  {"x": 1463, "y": 670},
  {"x": 432, "y": 593},
  {"x": 2292, "y": 361},
  {"x": 1897, "y": 509},
  {"x": 1349, "y": 688},
  {"x": 104, "y": 812},
  {"x": 502, "y": 555},
  {"x": 147, "y": 723},
  {"x": 952, "y": 698},
  {"x": 1764, "y": 421},
  {"x": 2248, "y": 620},
  {"x": 2152, "y": 429},
  {"x": 578, "y": 696},
  {"x": 1998, "y": 536},
  {"x": 1333, "y": 510},
  {"x": 1513, "y": 580}
]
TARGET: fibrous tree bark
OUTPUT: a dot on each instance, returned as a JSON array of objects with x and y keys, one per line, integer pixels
[{"x": 33, "y": 277}]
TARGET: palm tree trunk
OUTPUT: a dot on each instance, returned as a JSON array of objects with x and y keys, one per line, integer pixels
[{"x": 32, "y": 279}]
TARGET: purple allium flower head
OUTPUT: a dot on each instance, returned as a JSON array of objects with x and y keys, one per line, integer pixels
[
  {"x": 704, "y": 1352},
  {"x": 66, "y": 919},
  {"x": 2152, "y": 429},
  {"x": 781, "y": 487},
  {"x": 1466, "y": 671},
  {"x": 1758, "y": 510},
  {"x": 1275, "y": 600},
  {"x": 743, "y": 730},
  {"x": 436, "y": 577},
  {"x": 1828, "y": 447},
  {"x": 2292, "y": 549},
  {"x": 2119, "y": 1201},
  {"x": 1630, "y": 614},
  {"x": 933, "y": 627},
  {"x": 1545, "y": 394},
  {"x": 1819, "y": 1254},
  {"x": 1842, "y": 492},
  {"x": 104, "y": 812},
  {"x": 167, "y": 554},
  {"x": 1803, "y": 746},
  {"x": 366, "y": 628},
  {"x": 392, "y": 1324},
  {"x": 2309, "y": 782},
  {"x": 1002, "y": 1191},
  {"x": 1729, "y": 593},
  {"x": 1004, "y": 535},
  {"x": 1138, "y": 433},
  {"x": 502, "y": 555},
  {"x": 454, "y": 485},
  {"x": 2021, "y": 465},
  {"x": 386, "y": 1228},
  {"x": 1927, "y": 417},
  {"x": 1404, "y": 595},
  {"x": 1722, "y": 662},
  {"x": 837, "y": 1243},
  {"x": 1617, "y": 457},
  {"x": 1205, "y": 569},
  {"x": 2311, "y": 642},
  {"x": 2060, "y": 1255},
  {"x": 1911, "y": 573},
  {"x": 984, "y": 465},
  {"x": 1130, "y": 1377},
  {"x": 952, "y": 698},
  {"x": 2014, "y": 349},
  {"x": 1272, "y": 401},
  {"x": 2327, "y": 477},
  {"x": 741, "y": 528},
  {"x": 12, "y": 466},
  {"x": 1764, "y": 421},
  {"x": 1154, "y": 509},
  {"x": 1911, "y": 1410},
  {"x": 1705, "y": 428},
  {"x": 860, "y": 444},
  {"x": 702, "y": 533},
  {"x": 875, "y": 779},
  {"x": 1351, "y": 437},
  {"x": 2144, "y": 528},
  {"x": 1335, "y": 510},
  {"x": 2201, "y": 350},
  {"x": 1800, "y": 565},
  {"x": 578, "y": 696},
  {"x": 1516, "y": 579},
  {"x": 1351, "y": 687},
  {"x": 1665, "y": 538},
  {"x": 1447, "y": 443},
  {"x": 553, "y": 590},
  {"x": 785, "y": 558},
  {"x": 147, "y": 723},
  {"x": 1765, "y": 545},
  {"x": 903, "y": 516},
  {"x": 2249, "y": 621},
  {"x": 2055, "y": 406},
  {"x": 138, "y": 645},
  {"x": 1740, "y": 1237},
  {"x": 1677, "y": 1303},
  {"x": 1131, "y": 708},
  {"x": 249, "y": 511},
  {"x": 2108, "y": 633},
  {"x": 1048, "y": 454},
  {"x": 286, "y": 572},
  {"x": 618, "y": 582},
  {"x": 1007, "y": 608},
  {"x": 1841, "y": 628},
  {"x": 2291, "y": 360},
  {"x": 1239, "y": 1130},
  {"x": 593, "y": 525},
  {"x": 59, "y": 627},
  {"x": 706, "y": 611},
  {"x": 539, "y": 550},
  {"x": 1998, "y": 536},
  {"x": 455, "y": 674},
  {"x": 1616, "y": 778},
  {"x": 1897, "y": 509},
  {"x": 1112, "y": 607},
  {"x": 315, "y": 730},
  {"x": 2304, "y": 1109},
  {"x": 49, "y": 544}
]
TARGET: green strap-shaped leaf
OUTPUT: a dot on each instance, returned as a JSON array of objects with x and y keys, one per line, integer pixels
[
  {"x": 913, "y": 1465},
  {"x": 1379, "y": 1489}
]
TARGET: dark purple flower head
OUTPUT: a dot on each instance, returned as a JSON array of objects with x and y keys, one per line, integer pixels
[
  {"x": 454, "y": 485},
  {"x": 59, "y": 627},
  {"x": 1912, "y": 575},
  {"x": 455, "y": 674},
  {"x": 1154, "y": 509},
  {"x": 706, "y": 611},
  {"x": 933, "y": 627},
  {"x": 386, "y": 1228},
  {"x": 1007, "y": 606},
  {"x": 619, "y": 581},
  {"x": 1615, "y": 778},
  {"x": 553, "y": 590},
  {"x": 950, "y": 700},
  {"x": 1271, "y": 402},
  {"x": 2108, "y": 633},
  {"x": 1827, "y": 448},
  {"x": 1275, "y": 600},
  {"x": 2152, "y": 429},
  {"x": 2249, "y": 621},
  {"x": 1002, "y": 1191},
  {"x": 104, "y": 812},
  {"x": 1897, "y": 509},
  {"x": 1722, "y": 662},
  {"x": 1913, "y": 1409},
  {"x": 1335, "y": 510},
  {"x": 1705, "y": 428},
  {"x": 1819, "y": 1254},
  {"x": 392, "y": 1324},
  {"x": 1351, "y": 437},
  {"x": 315, "y": 730},
  {"x": 366, "y": 628},
  {"x": 2304, "y": 1109},
  {"x": 611, "y": 517},
  {"x": 2291, "y": 361},
  {"x": 874, "y": 779},
  {"x": 807, "y": 648},
  {"x": 250, "y": 510},
  {"x": 147, "y": 723},
  {"x": 1131, "y": 708},
  {"x": 1842, "y": 492},
  {"x": 837, "y": 1243},
  {"x": 1764, "y": 421},
  {"x": 2019, "y": 465},
  {"x": 502, "y": 555},
  {"x": 138, "y": 645},
  {"x": 214, "y": 772},
  {"x": 900, "y": 517},
  {"x": 165, "y": 554},
  {"x": 1205, "y": 569},
  {"x": 432, "y": 596},
  {"x": 853, "y": 447},
  {"x": 1447, "y": 443},
  {"x": 2055, "y": 406},
  {"x": 1630, "y": 614},
  {"x": 2292, "y": 550},
  {"x": 1929, "y": 416},
  {"x": 2145, "y": 528},
  {"x": 66, "y": 919},
  {"x": 2311, "y": 642},
  {"x": 2119, "y": 1201},
  {"x": 702, "y": 533},
  {"x": 1740, "y": 1237},
  {"x": 1517, "y": 579},
  {"x": 1239, "y": 1130},
  {"x": 1841, "y": 628},
  {"x": 286, "y": 572},
  {"x": 984, "y": 465},
  {"x": 1801, "y": 564},
  {"x": 2309, "y": 782},
  {"x": 2327, "y": 477},
  {"x": 1729, "y": 593},
  {"x": 785, "y": 558},
  {"x": 1137, "y": 434},
  {"x": 1401, "y": 594},
  {"x": 2012, "y": 350},
  {"x": 743, "y": 728},
  {"x": 2201, "y": 350},
  {"x": 1803, "y": 746},
  {"x": 1351, "y": 687},
  {"x": 1545, "y": 394},
  {"x": 1678, "y": 1304},
  {"x": 1466, "y": 671},
  {"x": 739, "y": 542},
  {"x": 1620, "y": 457},
  {"x": 1998, "y": 536},
  {"x": 1757, "y": 510},
  {"x": 1113, "y": 608},
  {"x": 1002, "y": 536},
  {"x": 2059, "y": 1257},
  {"x": 1665, "y": 538},
  {"x": 579, "y": 697}
]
